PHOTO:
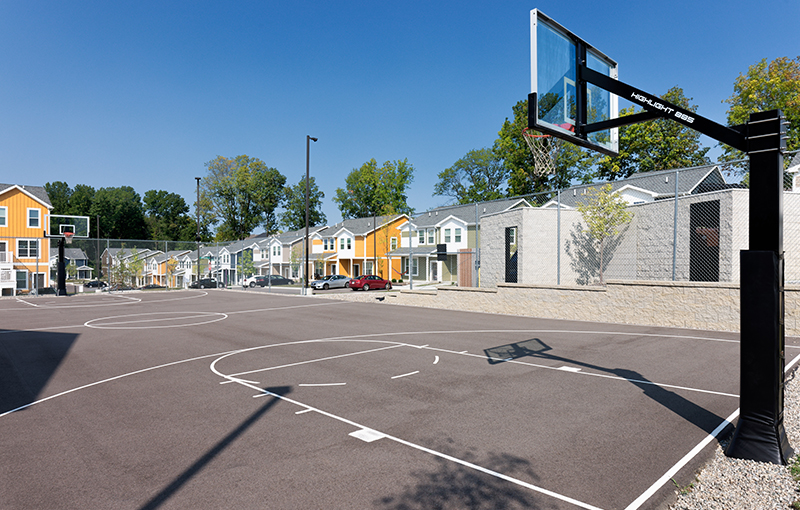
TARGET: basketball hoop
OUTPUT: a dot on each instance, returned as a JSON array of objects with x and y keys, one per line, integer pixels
[
  {"x": 68, "y": 237},
  {"x": 545, "y": 149}
]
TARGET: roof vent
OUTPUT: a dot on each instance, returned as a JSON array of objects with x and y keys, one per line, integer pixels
[
  {"x": 574, "y": 192},
  {"x": 666, "y": 178}
]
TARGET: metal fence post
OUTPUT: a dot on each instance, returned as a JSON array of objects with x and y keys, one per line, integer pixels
[{"x": 675, "y": 229}]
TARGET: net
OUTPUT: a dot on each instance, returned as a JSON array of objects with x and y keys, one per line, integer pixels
[
  {"x": 545, "y": 149},
  {"x": 68, "y": 237}
]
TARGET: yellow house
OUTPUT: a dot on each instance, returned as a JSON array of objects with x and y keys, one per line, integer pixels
[
  {"x": 359, "y": 246},
  {"x": 24, "y": 250}
]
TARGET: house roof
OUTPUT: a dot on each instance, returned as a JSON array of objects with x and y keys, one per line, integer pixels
[
  {"x": 466, "y": 213},
  {"x": 37, "y": 192},
  {"x": 660, "y": 184},
  {"x": 291, "y": 236},
  {"x": 358, "y": 226},
  {"x": 69, "y": 253}
]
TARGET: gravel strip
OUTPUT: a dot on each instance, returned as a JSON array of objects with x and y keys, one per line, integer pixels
[{"x": 726, "y": 483}]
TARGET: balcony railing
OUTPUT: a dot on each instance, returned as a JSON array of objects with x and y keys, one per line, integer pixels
[{"x": 6, "y": 257}]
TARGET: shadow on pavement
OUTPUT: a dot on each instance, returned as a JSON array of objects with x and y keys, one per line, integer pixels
[
  {"x": 457, "y": 487},
  {"x": 170, "y": 490},
  {"x": 686, "y": 409},
  {"x": 28, "y": 359}
]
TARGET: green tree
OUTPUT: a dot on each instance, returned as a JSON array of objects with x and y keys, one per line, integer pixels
[
  {"x": 476, "y": 177},
  {"x": 121, "y": 213},
  {"x": 59, "y": 193},
  {"x": 80, "y": 202},
  {"x": 243, "y": 193},
  {"x": 294, "y": 218},
  {"x": 604, "y": 212},
  {"x": 766, "y": 86},
  {"x": 167, "y": 216},
  {"x": 244, "y": 265},
  {"x": 372, "y": 190},
  {"x": 572, "y": 162},
  {"x": 659, "y": 144}
]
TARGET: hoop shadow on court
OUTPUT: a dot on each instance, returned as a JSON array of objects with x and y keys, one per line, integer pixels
[
  {"x": 28, "y": 359},
  {"x": 171, "y": 489},
  {"x": 686, "y": 409}
]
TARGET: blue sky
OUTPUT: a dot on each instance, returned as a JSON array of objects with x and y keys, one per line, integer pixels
[{"x": 143, "y": 93}]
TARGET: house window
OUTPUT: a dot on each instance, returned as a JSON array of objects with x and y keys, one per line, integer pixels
[
  {"x": 341, "y": 243},
  {"x": 414, "y": 267},
  {"x": 447, "y": 235},
  {"x": 22, "y": 279},
  {"x": 458, "y": 235},
  {"x": 27, "y": 248},
  {"x": 512, "y": 236},
  {"x": 3, "y": 216},
  {"x": 431, "y": 236},
  {"x": 276, "y": 250},
  {"x": 33, "y": 218},
  {"x": 393, "y": 243},
  {"x": 421, "y": 237},
  {"x": 368, "y": 267}
]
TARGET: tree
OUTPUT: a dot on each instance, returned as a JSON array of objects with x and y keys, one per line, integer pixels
[
  {"x": 373, "y": 191},
  {"x": 167, "y": 216},
  {"x": 476, "y": 177},
  {"x": 659, "y": 144},
  {"x": 766, "y": 86},
  {"x": 80, "y": 202},
  {"x": 604, "y": 212},
  {"x": 294, "y": 218},
  {"x": 121, "y": 213},
  {"x": 243, "y": 193},
  {"x": 244, "y": 265},
  {"x": 572, "y": 162},
  {"x": 59, "y": 193}
]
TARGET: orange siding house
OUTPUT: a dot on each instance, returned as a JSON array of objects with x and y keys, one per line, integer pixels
[{"x": 24, "y": 251}]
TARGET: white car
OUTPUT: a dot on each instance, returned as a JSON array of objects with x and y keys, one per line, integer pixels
[{"x": 331, "y": 282}]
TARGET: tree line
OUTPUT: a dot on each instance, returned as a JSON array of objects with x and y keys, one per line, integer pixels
[{"x": 241, "y": 193}]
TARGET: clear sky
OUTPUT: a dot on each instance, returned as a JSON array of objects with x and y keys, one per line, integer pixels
[{"x": 143, "y": 93}]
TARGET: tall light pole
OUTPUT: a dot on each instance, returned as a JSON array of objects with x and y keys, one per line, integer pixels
[
  {"x": 305, "y": 247},
  {"x": 197, "y": 236}
]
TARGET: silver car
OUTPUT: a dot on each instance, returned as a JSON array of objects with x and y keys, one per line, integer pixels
[{"x": 331, "y": 282}]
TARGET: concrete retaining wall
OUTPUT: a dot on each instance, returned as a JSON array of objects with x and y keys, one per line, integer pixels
[{"x": 709, "y": 306}]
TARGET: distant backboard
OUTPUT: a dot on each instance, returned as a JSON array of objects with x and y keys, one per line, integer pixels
[
  {"x": 564, "y": 103},
  {"x": 57, "y": 224}
]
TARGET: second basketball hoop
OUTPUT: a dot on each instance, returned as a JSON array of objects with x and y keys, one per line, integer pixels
[{"x": 545, "y": 150}]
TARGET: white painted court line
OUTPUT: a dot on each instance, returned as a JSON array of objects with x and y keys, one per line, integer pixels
[
  {"x": 405, "y": 375},
  {"x": 591, "y": 374},
  {"x": 692, "y": 454},
  {"x": 570, "y": 369},
  {"x": 411, "y": 445},
  {"x": 112, "y": 379},
  {"x": 317, "y": 360},
  {"x": 367, "y": 435}
]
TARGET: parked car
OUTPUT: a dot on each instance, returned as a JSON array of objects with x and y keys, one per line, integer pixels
[
  {"x": 204, "y": 283},
  {"x": 370, "y": 281},
  {"x": 119, "y": 287},
  {"x": 152, "y": 286},
  {"x": 95, "y": 284},
  {"x": 331, "y": 281},
  {"x": 264, "y": 280}
]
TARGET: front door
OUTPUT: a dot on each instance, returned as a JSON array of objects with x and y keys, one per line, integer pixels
[
  {"x": 434, "y": 271},
  {"x": 356, "y": 270}
]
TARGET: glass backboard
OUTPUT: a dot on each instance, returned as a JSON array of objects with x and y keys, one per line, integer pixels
[
  {"x": 555, "y": 54},
  {"x": 57, "y": 224}
]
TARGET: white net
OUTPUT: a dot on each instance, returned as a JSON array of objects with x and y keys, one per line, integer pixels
[{"x": 545, "y": 149}]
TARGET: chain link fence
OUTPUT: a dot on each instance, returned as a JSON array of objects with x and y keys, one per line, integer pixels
[
  {"x": 685, "y": 226},
  {"x": 29, "y": 265}
]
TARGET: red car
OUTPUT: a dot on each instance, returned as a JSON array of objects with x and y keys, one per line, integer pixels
[{"x": 370, "y": 281}]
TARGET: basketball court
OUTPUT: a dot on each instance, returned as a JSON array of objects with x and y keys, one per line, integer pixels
[{"x": 226, "y": 399}]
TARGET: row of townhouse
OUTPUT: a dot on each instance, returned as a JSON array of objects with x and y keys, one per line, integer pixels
[{"x": 381, "y": 245}]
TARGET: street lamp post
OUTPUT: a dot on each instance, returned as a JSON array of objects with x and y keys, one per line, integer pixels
[
  {"x": 197, "y": 236},
  {"x": 305, "y": 247}
]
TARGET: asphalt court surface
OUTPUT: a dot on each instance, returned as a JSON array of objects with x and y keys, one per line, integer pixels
[{"x": 230, "y": 399}]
